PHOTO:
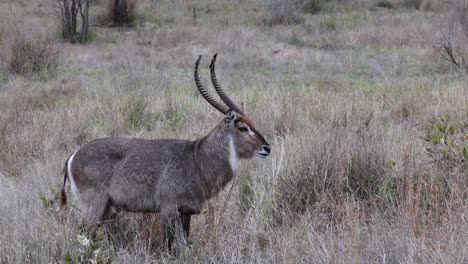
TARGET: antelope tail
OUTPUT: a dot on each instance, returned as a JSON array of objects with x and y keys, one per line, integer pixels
[{"x": 63, "y": 195}]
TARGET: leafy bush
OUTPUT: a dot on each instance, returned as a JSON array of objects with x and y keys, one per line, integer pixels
[
  {"x": 448, "y": 143},
  {"x": 441, "y": 186}
]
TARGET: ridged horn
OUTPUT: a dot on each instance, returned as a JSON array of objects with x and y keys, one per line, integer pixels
[
  {"x": 220, "y": 91},
  {"x": 220, "y": 107}
]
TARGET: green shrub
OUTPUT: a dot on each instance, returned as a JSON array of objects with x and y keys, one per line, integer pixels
[{"x": 448, "y": 143}]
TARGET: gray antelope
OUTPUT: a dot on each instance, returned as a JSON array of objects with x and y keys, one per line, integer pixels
[{"x": 172, "y": 177}]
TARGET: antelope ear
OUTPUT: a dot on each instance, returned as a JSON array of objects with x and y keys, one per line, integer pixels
[
  {"x": 230, "y": 118},
  {"x": 242, "y": 107}
]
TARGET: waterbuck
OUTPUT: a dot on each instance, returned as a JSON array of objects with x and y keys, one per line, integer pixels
[{"x": 172, "y": 177}]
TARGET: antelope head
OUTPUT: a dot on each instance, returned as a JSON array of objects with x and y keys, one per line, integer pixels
[{"x": 243, "y": 138}]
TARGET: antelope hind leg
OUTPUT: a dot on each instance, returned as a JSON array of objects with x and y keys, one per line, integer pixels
[{"x": 98, "y": 210}]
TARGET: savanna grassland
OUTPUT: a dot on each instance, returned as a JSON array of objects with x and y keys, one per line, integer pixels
[{"x": 366, "y": 112}]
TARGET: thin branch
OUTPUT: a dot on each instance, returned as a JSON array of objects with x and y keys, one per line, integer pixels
[{"x": 446, "y": 52}]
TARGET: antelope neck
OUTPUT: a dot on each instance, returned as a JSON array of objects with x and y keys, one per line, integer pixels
[{"x": 216, "y": 158}]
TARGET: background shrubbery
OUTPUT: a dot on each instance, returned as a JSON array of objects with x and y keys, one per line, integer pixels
[{"x": 33, "y": 55}]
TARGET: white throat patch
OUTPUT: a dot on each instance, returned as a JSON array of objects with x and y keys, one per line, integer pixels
[{"x": 233, "y": 159}]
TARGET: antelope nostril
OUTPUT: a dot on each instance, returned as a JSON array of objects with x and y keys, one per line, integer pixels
[{"x": 267, "y": 148}]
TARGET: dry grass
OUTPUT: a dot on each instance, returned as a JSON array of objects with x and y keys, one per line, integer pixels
[{"x": 348, "y": 98}]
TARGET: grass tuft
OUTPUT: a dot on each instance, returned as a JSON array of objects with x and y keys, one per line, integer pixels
[{"x": 33, "y": 57}]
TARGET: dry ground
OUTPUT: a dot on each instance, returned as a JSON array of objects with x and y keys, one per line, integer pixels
[{"x": 369, "y": 127}]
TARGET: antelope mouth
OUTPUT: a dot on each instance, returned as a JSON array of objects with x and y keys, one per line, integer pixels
[
  {"x": 262, "y": 154},
  {"x": 265, "y": 152}
]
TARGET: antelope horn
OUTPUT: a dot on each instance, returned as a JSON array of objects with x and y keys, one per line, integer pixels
[
  {"x": 220, "y": 107},
  {"x": 220, "y": 91}
]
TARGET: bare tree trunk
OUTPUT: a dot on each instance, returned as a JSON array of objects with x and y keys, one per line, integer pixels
[
  {"x": 120, "y": 11},
  {"x": 74, "y": 13},
  {"x": 65, "y": 17},
  {"x": 69, "y": 15},
  {"x": 84, "y": 11}
]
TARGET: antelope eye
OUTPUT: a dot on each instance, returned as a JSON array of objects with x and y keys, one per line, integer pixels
[{"x": 243, "y": 128}]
